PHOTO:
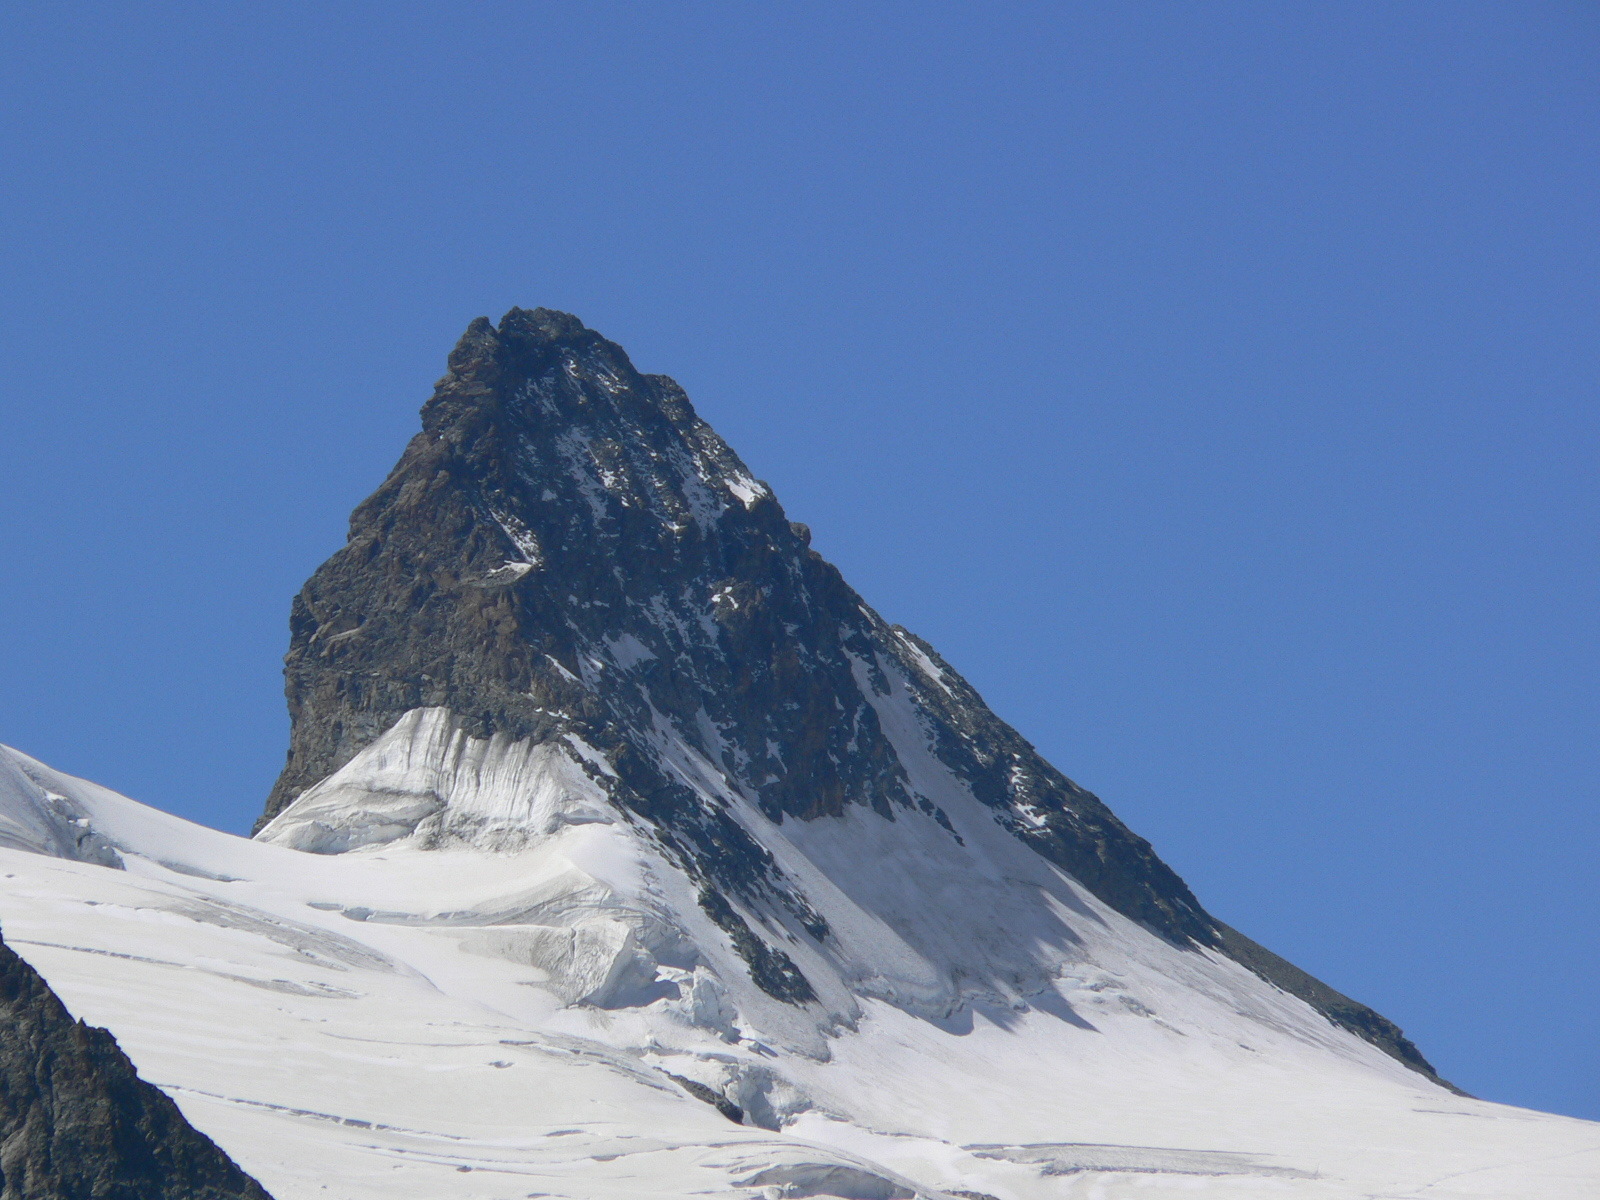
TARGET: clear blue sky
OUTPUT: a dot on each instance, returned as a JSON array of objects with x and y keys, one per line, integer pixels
[{"x": 1214, "y": 384}]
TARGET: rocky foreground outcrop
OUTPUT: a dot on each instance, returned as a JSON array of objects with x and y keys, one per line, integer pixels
[{"x": 77, "y": 1122}]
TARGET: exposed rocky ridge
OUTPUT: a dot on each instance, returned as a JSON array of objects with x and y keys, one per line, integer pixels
[
  {"x": 566, "y": 548},
  {"x": 77, "y": 1123}
]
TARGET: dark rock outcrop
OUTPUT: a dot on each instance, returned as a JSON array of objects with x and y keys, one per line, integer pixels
[
  {"x": 76, "y": 1121},
  {"x": 567, "y": 548},
  {"x": 709, "y": 1096}
]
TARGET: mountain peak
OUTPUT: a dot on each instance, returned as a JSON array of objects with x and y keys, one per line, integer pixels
[{"x": 569, "y": 576}]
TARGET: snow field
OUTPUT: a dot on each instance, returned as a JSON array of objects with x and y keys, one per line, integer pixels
[{"x": 498, "y": 1011}]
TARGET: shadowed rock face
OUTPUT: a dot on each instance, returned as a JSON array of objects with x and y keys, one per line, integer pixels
[
  {"x": 567, "y": 549},
  {"x": 77, "y": 1122}
]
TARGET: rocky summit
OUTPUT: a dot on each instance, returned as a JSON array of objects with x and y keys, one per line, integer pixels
[{"x": 567, "y": 551}]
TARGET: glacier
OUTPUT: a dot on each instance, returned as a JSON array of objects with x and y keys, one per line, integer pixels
[{"x": 445, "y": 1013}]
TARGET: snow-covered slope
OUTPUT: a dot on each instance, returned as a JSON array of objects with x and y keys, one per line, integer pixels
[{"x": 435, "y": 1019}]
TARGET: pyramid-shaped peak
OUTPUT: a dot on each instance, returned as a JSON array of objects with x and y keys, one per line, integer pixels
[{"x": 568, "y": 554}]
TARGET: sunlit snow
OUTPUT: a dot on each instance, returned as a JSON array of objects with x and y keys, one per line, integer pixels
[{"x": 502, "y": 988}]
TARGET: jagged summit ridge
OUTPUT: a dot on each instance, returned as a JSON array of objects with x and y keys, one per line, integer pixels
[{"x": 567, "y": 556}]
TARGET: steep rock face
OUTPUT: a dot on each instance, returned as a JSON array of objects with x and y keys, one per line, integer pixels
[
  {"x": 567, "y": 555},
  {"x": 77, "y": 1122}
]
